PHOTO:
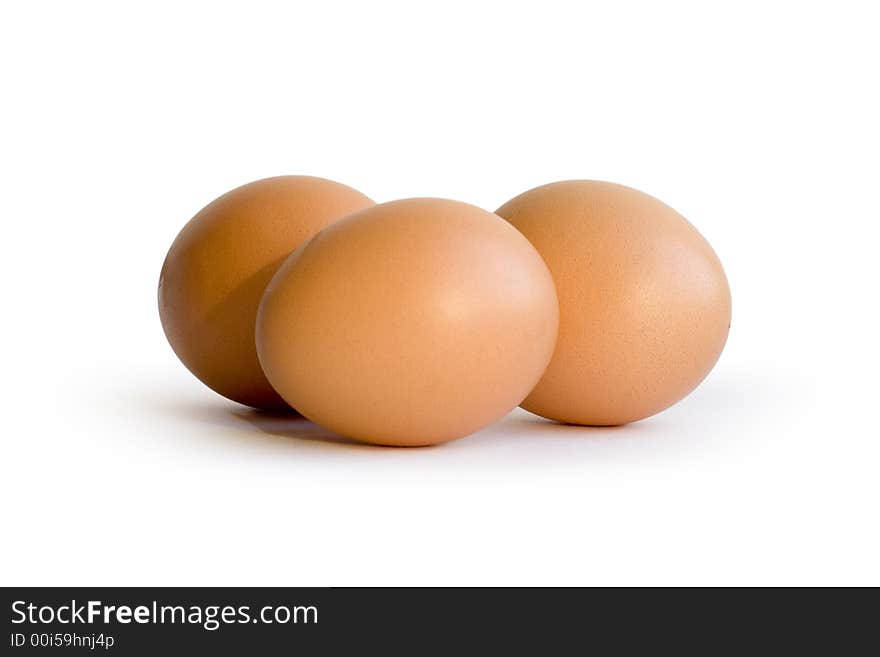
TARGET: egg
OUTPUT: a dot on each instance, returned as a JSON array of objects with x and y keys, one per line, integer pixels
[
  {"x": 219, "y": 265},
  {"x": 644, "y": 302},
  {"x": 409, "y": 323}
]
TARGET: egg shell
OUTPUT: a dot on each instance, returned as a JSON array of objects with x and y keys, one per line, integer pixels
[
  {"x": 409, "y": 323},
  {"x": 644, "y": 302},
  {"x": 219, "y": 265}
]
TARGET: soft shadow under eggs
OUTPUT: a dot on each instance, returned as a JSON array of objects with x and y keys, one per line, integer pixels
[{"x": 292, "y": 426}]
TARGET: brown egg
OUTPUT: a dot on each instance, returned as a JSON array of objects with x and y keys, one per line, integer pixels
[
  {"x": 644, "y": 306},
  {"x": 219, "y": 266},
  {"x": 409, "y": 323}
]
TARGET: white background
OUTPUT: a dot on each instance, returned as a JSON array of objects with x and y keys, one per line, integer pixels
[{"x": 758, "y": 121}]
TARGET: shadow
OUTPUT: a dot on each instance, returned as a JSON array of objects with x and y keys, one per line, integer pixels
[
  {"x": 545, "y": 425},
  {"x": 518, "y": 439},
  {"x": 247, "y": 424},
  {"x": 298, "y": 427},
  {"x": 279, "y": 427},
  {"x": 293, "y": 426}
]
